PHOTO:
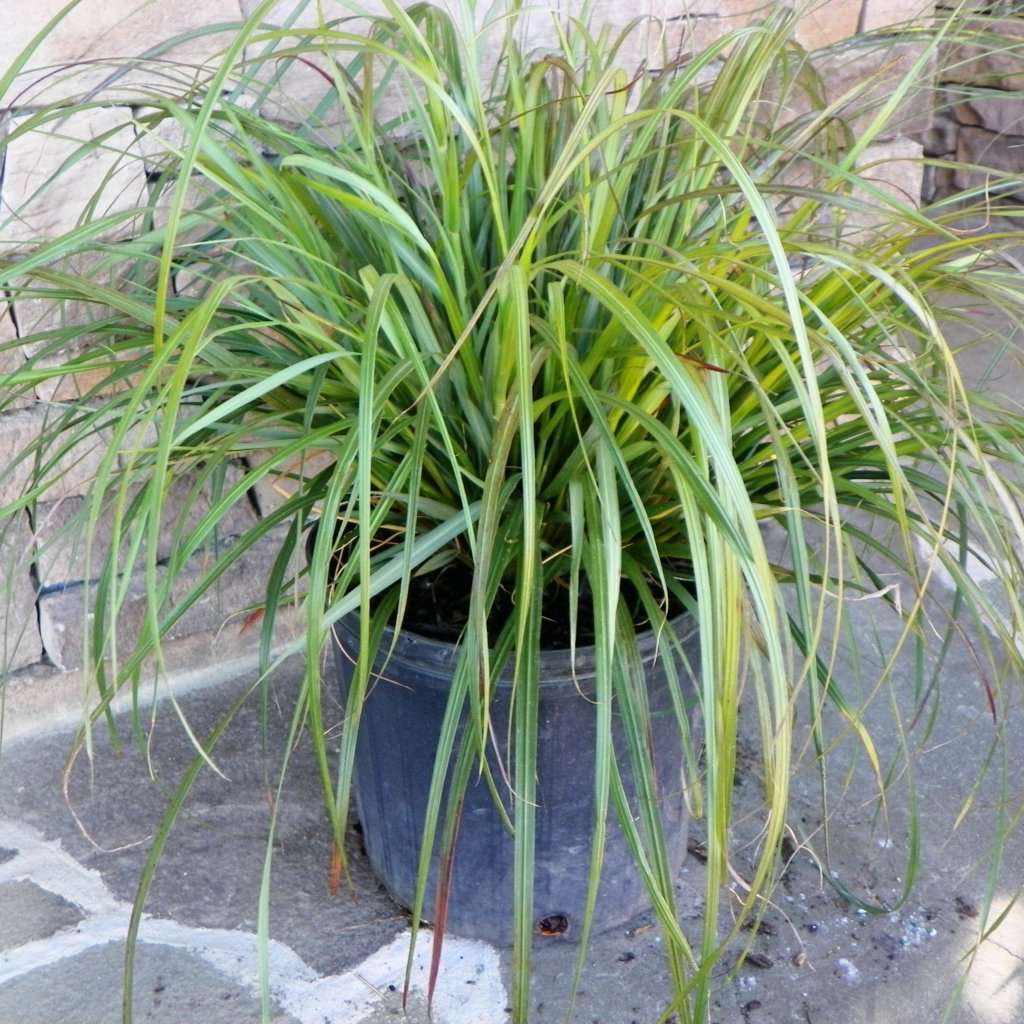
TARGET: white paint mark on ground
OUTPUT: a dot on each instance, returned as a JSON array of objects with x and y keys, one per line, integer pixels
[
  {"x": 469, "y": 986},
  {"x": 469, "y": 991},
  {"x": 976, "y": 569},
  {"x": 52, "y": 869}
]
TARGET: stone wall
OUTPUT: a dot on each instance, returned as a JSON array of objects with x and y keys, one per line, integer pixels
[
  {"x": 979, "y": 118},
  {"x": 46, "y": 579}
]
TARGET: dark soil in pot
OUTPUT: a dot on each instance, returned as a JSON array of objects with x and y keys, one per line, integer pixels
[
  {"x": 438, "y": 608},
  {"x": 395, "y": 755}
]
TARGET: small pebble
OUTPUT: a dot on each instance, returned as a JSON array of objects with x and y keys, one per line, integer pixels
[{"x": 847, "y": 970}]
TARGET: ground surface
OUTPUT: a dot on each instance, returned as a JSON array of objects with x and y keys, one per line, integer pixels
[{"x": 65, "y": 890}]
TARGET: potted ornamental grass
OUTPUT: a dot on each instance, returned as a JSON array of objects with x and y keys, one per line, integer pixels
[{"x": 595, "y": 392}]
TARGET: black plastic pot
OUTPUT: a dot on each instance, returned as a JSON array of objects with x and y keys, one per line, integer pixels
[{"x": 395, "y": 755}]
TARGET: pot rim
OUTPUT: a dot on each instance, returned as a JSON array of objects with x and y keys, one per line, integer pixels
[{"x": 437, "y": 658}]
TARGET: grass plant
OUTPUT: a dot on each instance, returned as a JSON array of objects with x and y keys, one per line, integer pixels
[{"x": 570, "y": 325}]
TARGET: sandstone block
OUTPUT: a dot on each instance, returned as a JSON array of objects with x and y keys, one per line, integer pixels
[
  {"x": 157, "y": 136},
  {"x": 880, "y": 14},
  {"x": 896, "y": 169},
  {"x": 994, "y": 153},
  {"x": 824, "y": 24},
  {"x": 52, "y": 179},
  {"x": 997, "y": 65},
  {"x": 675, "y": 34},
  {"x": 42, "y": 698},
  {"x": 861, "y": 76},
  {"x": 277, "y": 487},
  {"x": 19, "y": 632},
  {"x": 224, "y": 610},
  {"x": 73, "y": 387},
  {"x": 63, "y": 475},
  {"x": 12, "y": 359},
  {"x": 300, "y": 86},
  {"x": 995, "y": 112},
  {"x": 657, "y": 32},
  {"x": 39, "y": 316},
  {"x": 60, "y": 546},
  {"x": 96, "y": 39},
  {"x": 160, "y": 144}
]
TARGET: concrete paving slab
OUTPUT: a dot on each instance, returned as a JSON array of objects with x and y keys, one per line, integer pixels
[
  {"x": 29, "y": 913},
  {"x": 171, "y": 987}
]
